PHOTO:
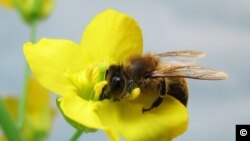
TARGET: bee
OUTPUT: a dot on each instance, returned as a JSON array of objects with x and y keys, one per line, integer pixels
[{"x": 163, "y": 74}]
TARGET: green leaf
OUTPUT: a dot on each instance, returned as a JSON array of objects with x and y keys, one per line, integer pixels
[{"x": 7, "y": 124}]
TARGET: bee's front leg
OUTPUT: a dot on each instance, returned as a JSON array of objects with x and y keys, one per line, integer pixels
[{"x": 159, "y": 100}]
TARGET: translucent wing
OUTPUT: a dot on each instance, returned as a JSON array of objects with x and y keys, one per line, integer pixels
[
  {"x": 181, "y": 58},
  {"x": 193, "y": 71}
]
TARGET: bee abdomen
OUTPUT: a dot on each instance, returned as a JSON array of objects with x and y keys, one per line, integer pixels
[{"x": 178, "y": 88}]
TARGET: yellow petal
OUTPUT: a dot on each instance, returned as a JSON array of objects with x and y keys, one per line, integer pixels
[
  {"x": 165, "y": 122},
  {"x": 126, "y": 119},
  {"x": 38, "y": 96},
  {"x": 112, "y": 36},
  {"x": 81, "y": 111},
  {"x": 6, "y": 3},
  {"x": 52, "y": 61}
]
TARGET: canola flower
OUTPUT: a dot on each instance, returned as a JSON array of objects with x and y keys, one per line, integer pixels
[
  {"x": 30, "y": 10},
  {"x": 76, "y": 72},
  {"x": 39, "y": 112}
]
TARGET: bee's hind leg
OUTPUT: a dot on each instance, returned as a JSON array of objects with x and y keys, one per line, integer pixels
[{"x": 159, "y": 100}]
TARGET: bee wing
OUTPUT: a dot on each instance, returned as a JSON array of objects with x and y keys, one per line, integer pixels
[
  {"x": 182, "y": 58},
  {"x": 193, "y": 71}
]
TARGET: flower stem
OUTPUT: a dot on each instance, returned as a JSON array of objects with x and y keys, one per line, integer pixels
[
  {"x": 7, "y": 124},
  {"x": 33, "y": 32},
  {"x": 23, "y": 97},
  {"x": 76, "y": 135}
]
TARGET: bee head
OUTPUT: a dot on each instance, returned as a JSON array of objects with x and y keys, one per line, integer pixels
[{"x": 115, "y": 88}]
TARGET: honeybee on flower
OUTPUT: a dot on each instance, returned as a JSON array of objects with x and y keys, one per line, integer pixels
[{"x": 82, "y": 75}]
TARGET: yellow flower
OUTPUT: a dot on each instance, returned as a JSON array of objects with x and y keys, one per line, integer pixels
[
  {"x": 30, "y": 10},
  {"x": 6, "y": 3},
  {"x": 39, "y": 112},
  {"x": 76, "y": 72}
]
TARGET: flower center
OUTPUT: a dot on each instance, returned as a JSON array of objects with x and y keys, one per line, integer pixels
[{"x": 87, "y": 81}]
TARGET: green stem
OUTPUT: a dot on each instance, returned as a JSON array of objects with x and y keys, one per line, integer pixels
[
  {"x": 23, "y": 97},
  {"x": 7, "y": 124},
  {"x": 76, "y": 135},
  {"x": 33, "y": 32}
]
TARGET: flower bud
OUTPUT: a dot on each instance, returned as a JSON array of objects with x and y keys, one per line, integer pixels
[{"x": 30, "y": 10}]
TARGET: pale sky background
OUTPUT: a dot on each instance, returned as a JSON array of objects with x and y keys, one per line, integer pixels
[{"x": 221, "y": 28}]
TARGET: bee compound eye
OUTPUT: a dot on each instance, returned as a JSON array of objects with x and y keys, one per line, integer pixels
[{"x": 117, "y": 83}]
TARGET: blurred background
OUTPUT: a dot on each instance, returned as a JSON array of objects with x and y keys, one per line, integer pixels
[{"x": 221, "y": 28}]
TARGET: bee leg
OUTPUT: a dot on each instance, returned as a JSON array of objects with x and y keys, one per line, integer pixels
[{"x": 159, "y": 100}]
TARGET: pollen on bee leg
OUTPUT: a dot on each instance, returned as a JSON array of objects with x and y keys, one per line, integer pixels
[{"x": 134, "y": 94}]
